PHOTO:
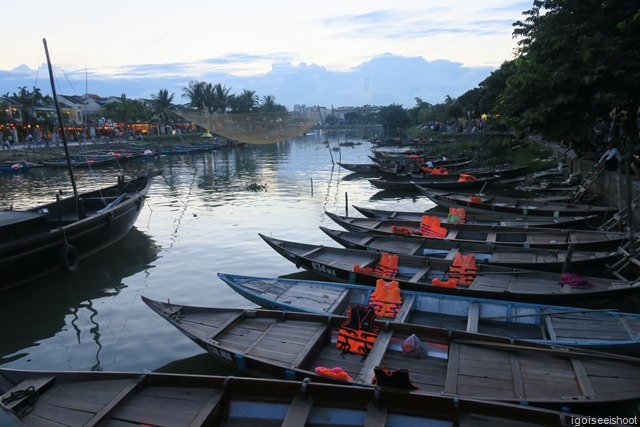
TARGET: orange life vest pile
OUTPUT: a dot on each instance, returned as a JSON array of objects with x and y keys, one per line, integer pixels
[
  {"x": 430, "y": 227},
  {"x": 457, "y": 216},
  {"x": 359, "y": 332},
  {"x": 463, "y": 269},
  {"x": 466, "y": 178},
  {"x": 435, "y": 170},
  {"x": 386, "y": 267},
  {"x": 386, "y": 300},
  {"x": 336, "y": 373},
  {"x": 405, "y": 231}
]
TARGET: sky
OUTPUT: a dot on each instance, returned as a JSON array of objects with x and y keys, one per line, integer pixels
[{"x": 341, "y": 53}]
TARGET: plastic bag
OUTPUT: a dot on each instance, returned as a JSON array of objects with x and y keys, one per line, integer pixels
[{"x": 414, "y": 348}]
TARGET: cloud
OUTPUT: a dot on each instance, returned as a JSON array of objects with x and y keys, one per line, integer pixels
[{"x": 383, "y": 80}]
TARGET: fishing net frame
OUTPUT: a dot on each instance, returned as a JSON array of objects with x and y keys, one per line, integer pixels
[{"x": 253, "y": 128}]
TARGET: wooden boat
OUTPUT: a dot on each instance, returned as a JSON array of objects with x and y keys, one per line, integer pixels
[
  {"x": 81, "y": 162},
  {"x": 610, "y": 331},
  {"x": 361, "y": 167},
  {"x": 501, "y": 235},
  {"x": 505, "y": 173},
  {"x": 17, "y": 167},
  {"x": 525, "y": 207},
  {"x": 390, "y": 163},
  {"x": 58, "y": 235},
  {"x": 452, "y": 183},
  {"x": 489, "y": 218},
  {"x": 295, "y": 345},
  {"x": 417, "y": 273},
  {"x": 161, "y": 399},
  {"x": 587, "y": 262}
]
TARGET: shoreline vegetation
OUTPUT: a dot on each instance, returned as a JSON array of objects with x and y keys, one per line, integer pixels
[{"x": 488, "y": 151}]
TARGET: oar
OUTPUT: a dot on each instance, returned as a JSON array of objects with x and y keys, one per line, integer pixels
[{"x": 550, "y": 313}]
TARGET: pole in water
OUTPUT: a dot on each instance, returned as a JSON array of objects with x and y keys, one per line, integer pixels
[
  {"x": 311, "y": 187},
  {"x": 346, "y": 203}
]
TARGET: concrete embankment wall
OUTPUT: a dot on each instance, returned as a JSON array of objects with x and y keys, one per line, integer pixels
[{"x": 610, "y": 186}]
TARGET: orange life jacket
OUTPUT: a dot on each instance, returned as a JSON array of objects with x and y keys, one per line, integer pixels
[
  {"x": 430, "y": 227},
  {"x": 475, "y": 199},
  {"x": 439, "y": 171},
  {"x": 405, "y": 231},
  {"x": 359, "y": 332},
  {"x": 466, "y": 178},
  {"x": 337, "y": 373},
  {"x": 386, "y": 299},
  {"x": 386, "y": 267},
  {"x": 463, "y": 269},
  {"x": 449, "y": 283},
  {"x": 457, "y": 216}
]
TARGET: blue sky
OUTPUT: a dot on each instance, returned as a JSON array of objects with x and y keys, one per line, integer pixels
[{"x": 322, "y": 53}]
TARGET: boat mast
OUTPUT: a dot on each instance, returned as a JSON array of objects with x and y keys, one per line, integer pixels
[{"x": 59, "y": 113}]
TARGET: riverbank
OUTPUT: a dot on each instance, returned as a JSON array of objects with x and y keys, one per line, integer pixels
[{"x": 38, "y": 154}]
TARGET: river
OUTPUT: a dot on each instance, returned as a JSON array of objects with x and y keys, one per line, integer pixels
[{"x": 202, "y": 216}]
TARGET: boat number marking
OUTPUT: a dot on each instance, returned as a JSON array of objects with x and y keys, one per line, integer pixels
[
  {"x": 323, "y": 269},
  {"x": 220, "y": 353}
]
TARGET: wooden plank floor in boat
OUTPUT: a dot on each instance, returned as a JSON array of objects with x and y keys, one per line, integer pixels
[
  {"x": 587, "y": 327},
  {"x": 280, "y": 342},
  {"x": 81, "y": 403},
  {"x": 302, "y": 293},
  {"x": 491, "y": 327}
]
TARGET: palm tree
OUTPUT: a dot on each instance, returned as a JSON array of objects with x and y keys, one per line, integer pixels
[
  {"x": 221, "y": 98},
  {"x": 269, "y": 105},
  {"x": 161, "y": 104},
  {"x": 195, "y": 92},
  {"x": 246, "y": 102}
]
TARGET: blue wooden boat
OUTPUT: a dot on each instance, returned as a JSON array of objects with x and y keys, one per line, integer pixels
[
  {"x": 605, "y": 330},
  {"x": 17, "y": 167}
]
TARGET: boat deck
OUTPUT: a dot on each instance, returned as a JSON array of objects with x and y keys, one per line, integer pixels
[{"x": 465, "y": 368}]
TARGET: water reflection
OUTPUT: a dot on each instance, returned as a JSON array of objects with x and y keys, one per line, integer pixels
[
  {"x": 49, "y": 305},
  {"x": 202, "y": 216}
]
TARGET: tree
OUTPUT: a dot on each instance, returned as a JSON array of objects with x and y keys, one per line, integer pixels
[
  {"x": 246, "y": 102},
  {"x": 578, "y": 59},
  {"x": 269, "y": 105},
  {"x": 126, "y": 110},
  {"x": 195, "y": 92},
  {"x": 161, "y": 104},
  {"x": 394, "y": 119},
  {"x": 352, "y": 117},
  {"x": 221, "y": 98}
]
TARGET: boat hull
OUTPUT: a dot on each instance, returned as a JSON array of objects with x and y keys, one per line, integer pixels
[
  {"x": 50, "y": 238},
  {"x": 610, "y": 331},
  {"x": 418, "y": 273},
  {"x": 459, "y": 364}
]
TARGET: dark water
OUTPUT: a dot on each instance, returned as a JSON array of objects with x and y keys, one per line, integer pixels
[{"x": 202, "y": 216}]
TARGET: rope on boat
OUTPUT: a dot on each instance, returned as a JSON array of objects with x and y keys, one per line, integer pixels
[{"x": 30, "y": 397}]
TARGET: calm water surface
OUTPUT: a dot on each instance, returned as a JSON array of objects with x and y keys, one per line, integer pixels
[{"x": 203, "y": 216}]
